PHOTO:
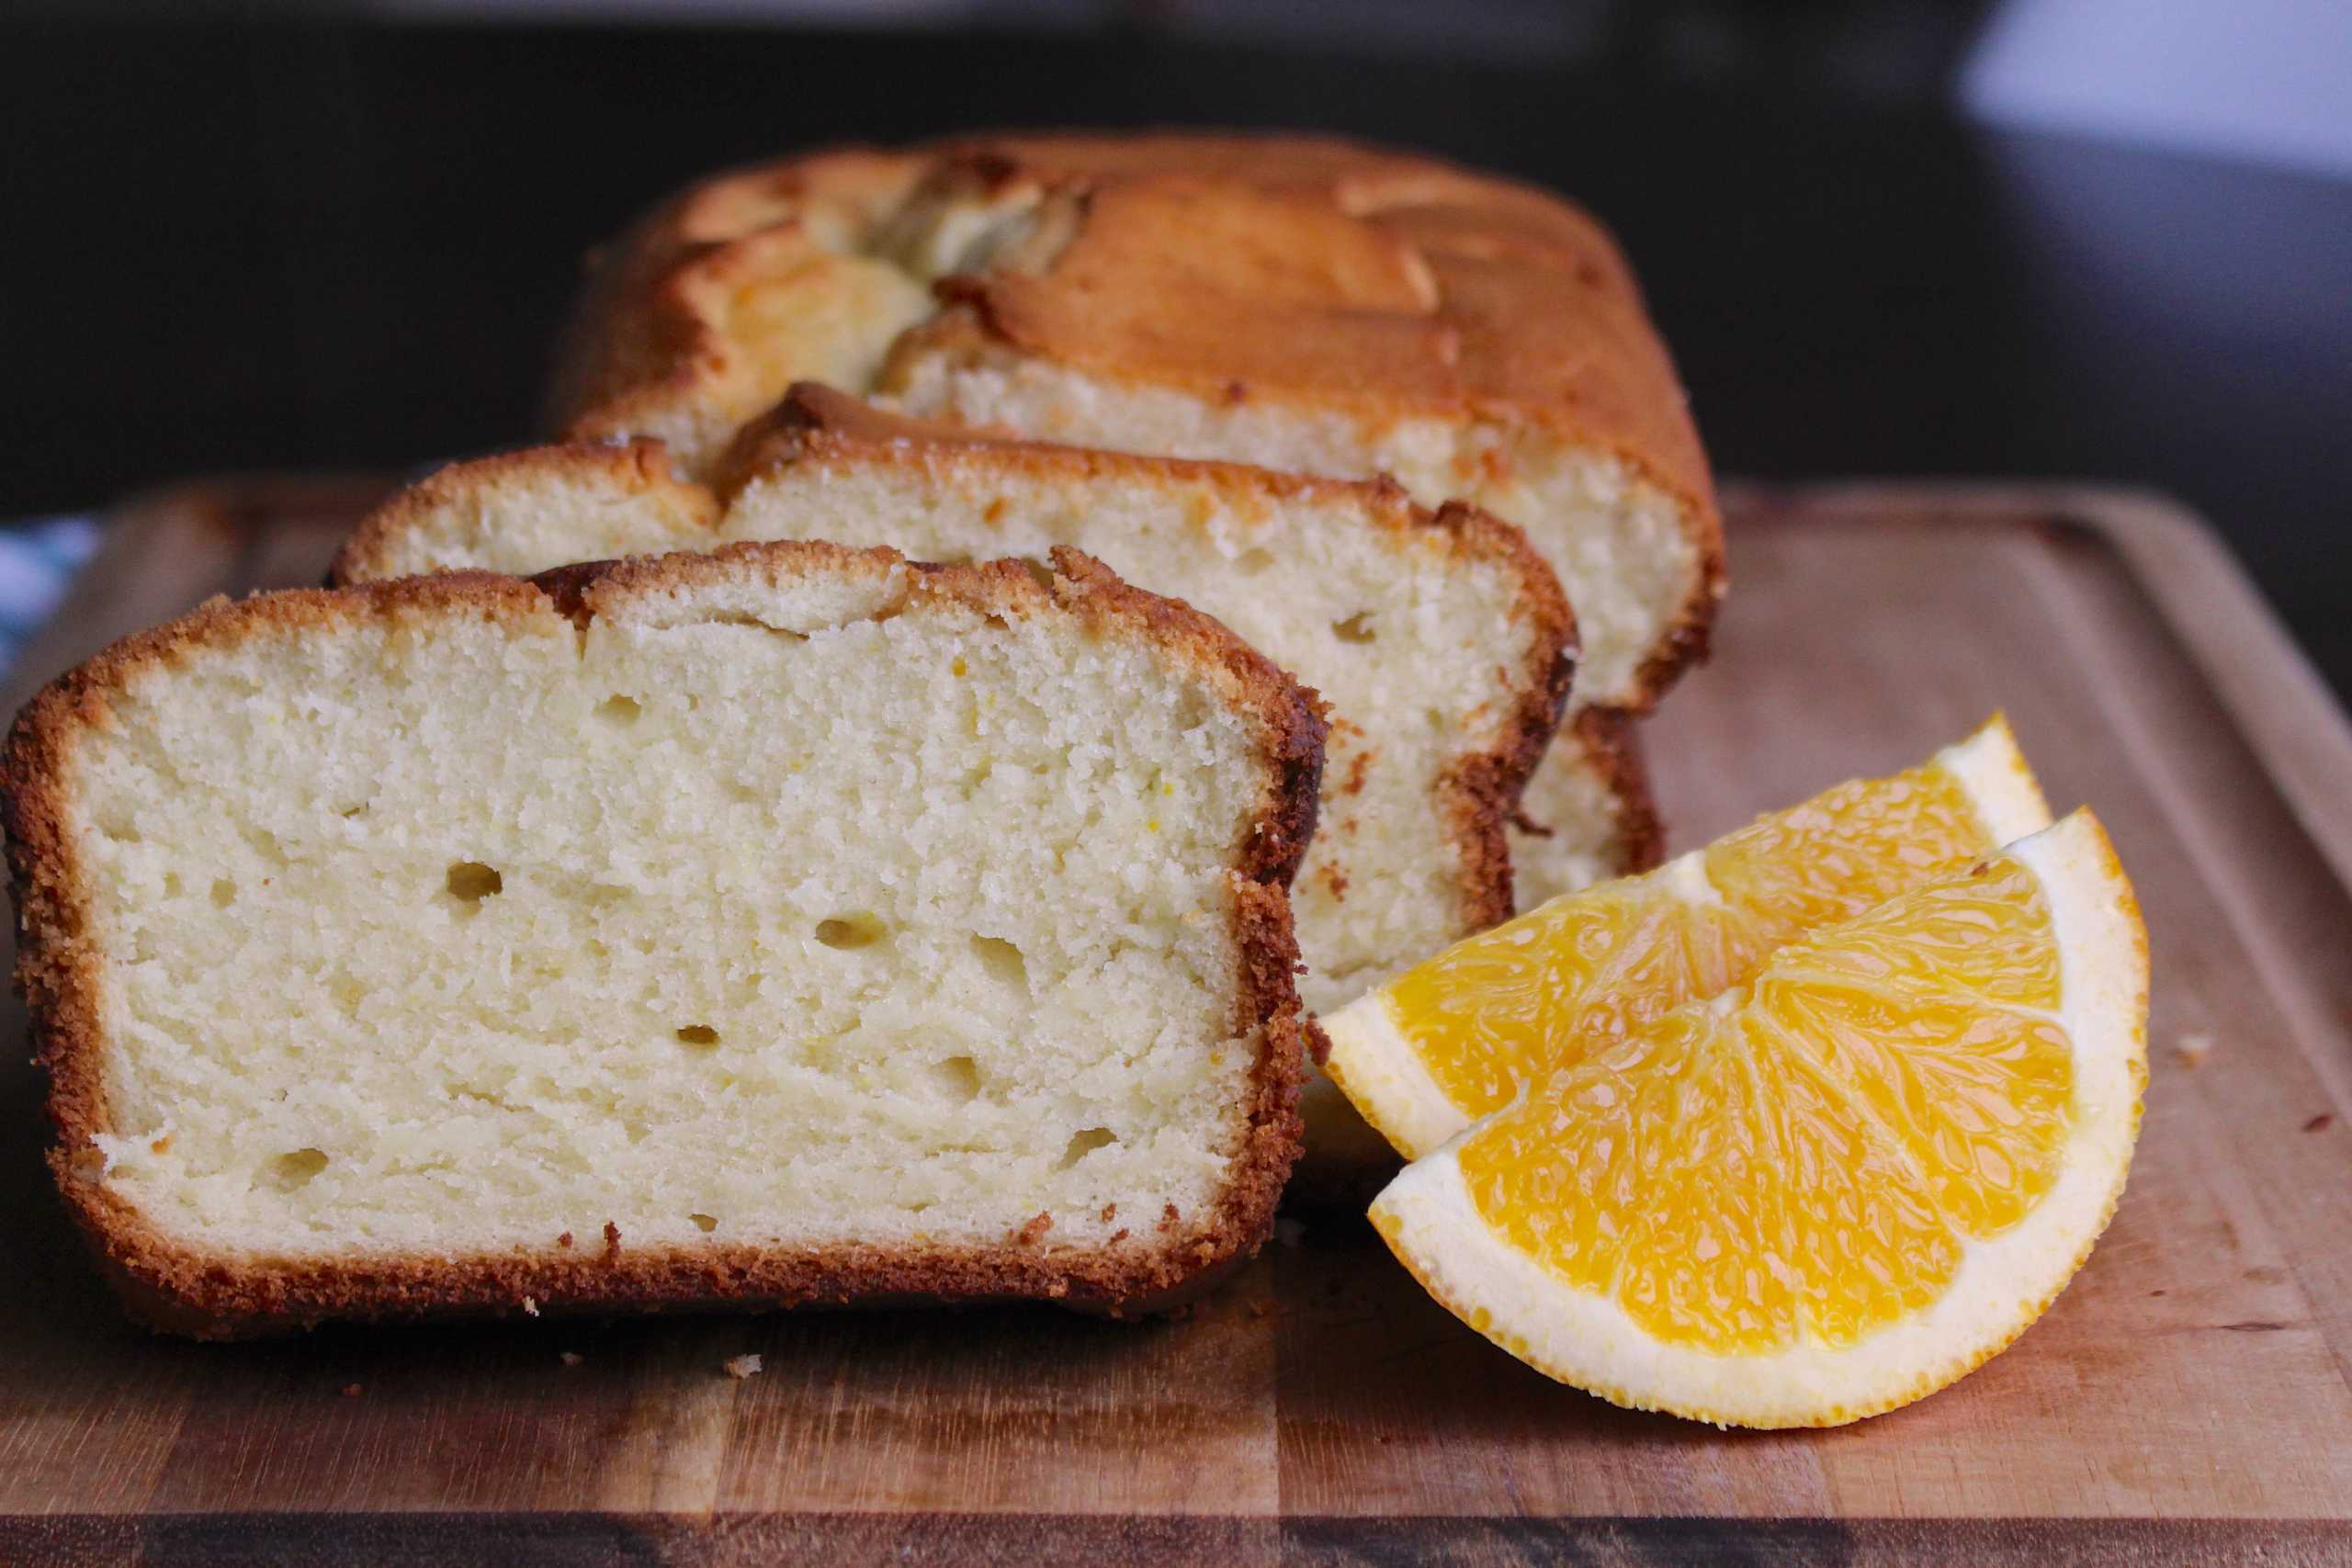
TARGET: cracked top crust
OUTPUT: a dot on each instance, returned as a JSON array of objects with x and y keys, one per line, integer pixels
[{"x": 1305, "y": 271}]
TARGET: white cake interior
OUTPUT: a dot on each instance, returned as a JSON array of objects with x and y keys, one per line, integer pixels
[{"x": 741, "y": 916}]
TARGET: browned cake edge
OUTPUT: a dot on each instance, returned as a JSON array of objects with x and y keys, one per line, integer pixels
[
  {"x": 188, "y": 1290},
  {"x": 1610, "y": 740}
]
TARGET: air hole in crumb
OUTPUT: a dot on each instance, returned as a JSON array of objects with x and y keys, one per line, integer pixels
[
  {"x": 170, "y": 885},
  {"x": 1084, "y": 1143},
  {"x": 850, "y": 932},
  {"x": 1253, "y": 561},
  {"x": 224, "y": 892},
  {"x": 704, "y": 1223},
  {"x": 958, "y": 1078},
  {"x": 1002, "y": 960},
  {"x": 1355, "y": 628},
  {"x": 697, "y": 1035},
  {"x": 619, "y": 710},
  {"x": 297, "y": 1168},
  {"x": 472, "y": 881}
]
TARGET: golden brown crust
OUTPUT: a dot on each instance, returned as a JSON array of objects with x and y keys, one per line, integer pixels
[
  {"x": 1320, "y": 270},
  {"x": 640, "y": 332},
  {"x": 1612, "y": 740},
  {"x": 1607, "y": 743},
  {"x": 1306, "y": 266},
  {"x": 187, "y": 1290},
  {"x": 1301, "y": 271}
]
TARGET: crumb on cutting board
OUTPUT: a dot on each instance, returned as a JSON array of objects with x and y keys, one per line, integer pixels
[
  {"x": 742, "y": 1366},
  {"x": 2192, "y": 1049},
  {"x": 568, "y": 1357}
]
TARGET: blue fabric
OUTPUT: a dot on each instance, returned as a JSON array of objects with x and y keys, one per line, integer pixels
[{"x": 39, "y": 559}]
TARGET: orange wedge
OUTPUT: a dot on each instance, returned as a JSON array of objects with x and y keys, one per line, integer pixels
[
  {"x": 1832, "y": 1189},
  {"x": 1458, "y": 1037}
]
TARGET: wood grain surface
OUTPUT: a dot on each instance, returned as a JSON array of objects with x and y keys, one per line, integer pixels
[{"x": 2189, "y": 1399}]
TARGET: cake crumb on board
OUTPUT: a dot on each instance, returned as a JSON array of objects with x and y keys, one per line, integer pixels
[{"x": 742, "y": 1366}]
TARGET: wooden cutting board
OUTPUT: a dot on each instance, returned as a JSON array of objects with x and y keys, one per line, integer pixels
[{"x": 2186, "y": 1400}]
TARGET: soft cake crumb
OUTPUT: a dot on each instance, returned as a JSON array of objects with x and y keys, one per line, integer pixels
[
  {"x": 741, "y": 1367},
  {"x": 2193, "y": 1049},
  {"x": 593, "y": 866},
  {"x": 568, "y": 1357}
]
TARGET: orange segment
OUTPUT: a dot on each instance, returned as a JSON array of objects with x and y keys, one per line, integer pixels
[
  {"x": 1935, "y": 1013},
  {"x": 1819, "y": 1140},
  {"x": 1457, "y": 1037},
  {"x": 1850, "y": 846},
  {"x": 1762, "y": 1206}
]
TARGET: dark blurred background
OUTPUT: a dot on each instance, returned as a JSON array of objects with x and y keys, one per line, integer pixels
[{"x": 2101, "y": 238}]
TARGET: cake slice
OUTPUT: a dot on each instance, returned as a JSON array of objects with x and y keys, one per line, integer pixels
[
  {"x": 782, "y": 925},
  {"x": 1303, "y": 304},
  {"x": 1440, "y": 641}
]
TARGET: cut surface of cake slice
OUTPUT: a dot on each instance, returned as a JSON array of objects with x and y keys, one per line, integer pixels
[
  {"x": 786, "y": 924},
  {"x": 1298, "y": 303},
  {"x": 1440, "y": 641}
]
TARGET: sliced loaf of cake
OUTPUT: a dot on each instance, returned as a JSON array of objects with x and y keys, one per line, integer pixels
[
  {"x": 1440, "y": 641},
  {"x": 786, "y": 924},
  {"x": 1303, "y": 304}
]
